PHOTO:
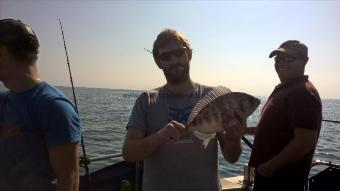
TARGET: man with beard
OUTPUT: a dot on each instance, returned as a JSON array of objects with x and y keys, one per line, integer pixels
[{"x": 156, "y": 134}]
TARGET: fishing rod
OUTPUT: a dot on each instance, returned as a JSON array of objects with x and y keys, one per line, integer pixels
[
  {"x": 326, "y": 120},
  {"x": 148, "y": 50},
  {"x": 84, "y": 158},
  {"x": 250, "y": 145},
  {"x": 247, "y": 142}
]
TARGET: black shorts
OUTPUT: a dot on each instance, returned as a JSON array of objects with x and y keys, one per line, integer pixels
[{"x": 275, "y": 183}]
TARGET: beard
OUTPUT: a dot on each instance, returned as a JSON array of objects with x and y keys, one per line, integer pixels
[{"x": 177, "y": 73}]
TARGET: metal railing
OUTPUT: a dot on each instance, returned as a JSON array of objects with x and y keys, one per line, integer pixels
[
  {"x": 111, "y": 156},
  {"x": 326, "y": 163},
  {"x": 326, "y": 120}
]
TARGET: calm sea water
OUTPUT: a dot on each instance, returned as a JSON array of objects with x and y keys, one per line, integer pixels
[{"x": 104, "y": 114}]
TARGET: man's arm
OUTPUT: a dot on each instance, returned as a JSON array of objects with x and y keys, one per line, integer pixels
[
  {"x": 230, "y": 139},
  {"x": 230, "y": 145},
  {"x": 304, "y": 142},
  {"x": 137, "y": 147},
  {"x": 64, "y": 161}
]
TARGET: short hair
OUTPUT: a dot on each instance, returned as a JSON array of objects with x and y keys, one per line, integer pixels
[
  {"x": 166, "y": 37},
  {"x": 19, "y": 39}
]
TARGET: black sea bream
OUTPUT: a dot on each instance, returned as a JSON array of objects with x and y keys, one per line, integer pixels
[{"x": 217, "y": 108}]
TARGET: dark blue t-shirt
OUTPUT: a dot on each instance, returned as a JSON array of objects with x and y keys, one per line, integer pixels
[{"x": 30, "y": 123}]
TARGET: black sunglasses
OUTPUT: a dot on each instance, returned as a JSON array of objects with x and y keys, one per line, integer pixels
[
  {"x": 284, "y": 59},
  {"x": 166, "y": 56}
]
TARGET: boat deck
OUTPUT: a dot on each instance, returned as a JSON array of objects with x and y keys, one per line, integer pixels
[{"x": 232, "y": 183}]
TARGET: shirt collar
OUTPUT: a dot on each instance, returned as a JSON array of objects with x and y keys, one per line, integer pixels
[{"x": 297, "y": 80}]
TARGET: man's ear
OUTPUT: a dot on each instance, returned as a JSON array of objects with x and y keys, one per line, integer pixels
[
  {"x": 3, "y": 51},
  {"x": 189, "y": 52},
  {"x": 306, "y": 60}
]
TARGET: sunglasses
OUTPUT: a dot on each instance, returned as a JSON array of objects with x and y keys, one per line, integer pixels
[
  {"x": 284, "y": 59},
  {"x": 166, "y": 56}
]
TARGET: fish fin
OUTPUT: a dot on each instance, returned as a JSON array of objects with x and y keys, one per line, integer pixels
[
  {"x": 205, "y": 143},
  {"x": 208, "y": 98},
  {"x": 205, "y": 137}
]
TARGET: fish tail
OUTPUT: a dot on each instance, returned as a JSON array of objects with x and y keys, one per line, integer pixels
[
  {"x": 205, "y": 143},
  {"x": 204, "y": 137}
]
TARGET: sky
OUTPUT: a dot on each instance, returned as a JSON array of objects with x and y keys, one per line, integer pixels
[{"x": 231, "y": 41}]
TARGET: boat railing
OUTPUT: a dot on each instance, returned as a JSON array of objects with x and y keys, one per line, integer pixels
[
  {"x": 332, "y": 121},
  {"x": 326, "y": 179},
  {"x": 84, "y": 161},
  {"x": 326, "y": 163},
  {"x": 87, "y": 160}
]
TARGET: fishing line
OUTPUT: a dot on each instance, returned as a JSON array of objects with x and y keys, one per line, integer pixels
[{"x": 84, "y": 159}]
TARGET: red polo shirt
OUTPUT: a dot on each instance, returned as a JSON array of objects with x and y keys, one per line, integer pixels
[{"x": 289, "y": 106}]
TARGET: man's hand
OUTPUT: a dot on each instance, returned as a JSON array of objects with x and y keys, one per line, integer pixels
[
  {"x": 230, "y": 139},
  {"x": 265, "y": 170},
  {"x": 137, "y": 146},
  {"x": 64, "y": 161},
  {"x": 235, "y": 127},
  {"x": 303, "y": 143},
  {"x": 171, "y": 132}
]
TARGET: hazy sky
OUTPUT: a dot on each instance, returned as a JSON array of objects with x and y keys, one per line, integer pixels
[{"x": 231, "y": 40}]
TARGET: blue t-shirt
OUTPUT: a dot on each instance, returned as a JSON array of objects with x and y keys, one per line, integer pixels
[{"x": 31, "y": 122}]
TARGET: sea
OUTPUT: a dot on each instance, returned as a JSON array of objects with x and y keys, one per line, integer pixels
[{"x": 104, "y": 114}]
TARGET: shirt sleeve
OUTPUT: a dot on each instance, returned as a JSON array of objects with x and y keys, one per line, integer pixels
[
  {"x": 2, "y": 96},
  {"x": 138, "y": 118},
  {"x": 305, "y": 110},
  {"x": 60, "y": 123}
]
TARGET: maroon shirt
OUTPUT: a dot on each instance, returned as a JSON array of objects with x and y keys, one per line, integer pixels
[{"x": 290, "y": 106}]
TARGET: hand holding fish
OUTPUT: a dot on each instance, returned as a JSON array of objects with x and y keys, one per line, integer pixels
[
  {"x": 234, "y": 128},
  {"x": 265, "y": 170},
  {"x": 223, "y": 112},
  {"x": 233, "y": 125},
  {"x": 171, "y": 132}
]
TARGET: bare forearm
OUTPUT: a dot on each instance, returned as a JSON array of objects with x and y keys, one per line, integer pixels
[
  {"x": 138, "y": 146},
  {"x": 293, "y": 152},
  {"x": 138, "y": 149},
  {"x": 288, "y": 155},
  {"x": 68, "y": 184},
  {"x": 65, "y": 164}
]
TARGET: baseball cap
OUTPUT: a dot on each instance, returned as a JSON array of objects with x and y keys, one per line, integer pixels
[
  {"x": 18, "y": 37},
  {"x": 291, "y": 47}
]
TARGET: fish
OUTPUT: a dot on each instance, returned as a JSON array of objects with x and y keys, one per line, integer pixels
[{"x": 216, "y": 107}]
